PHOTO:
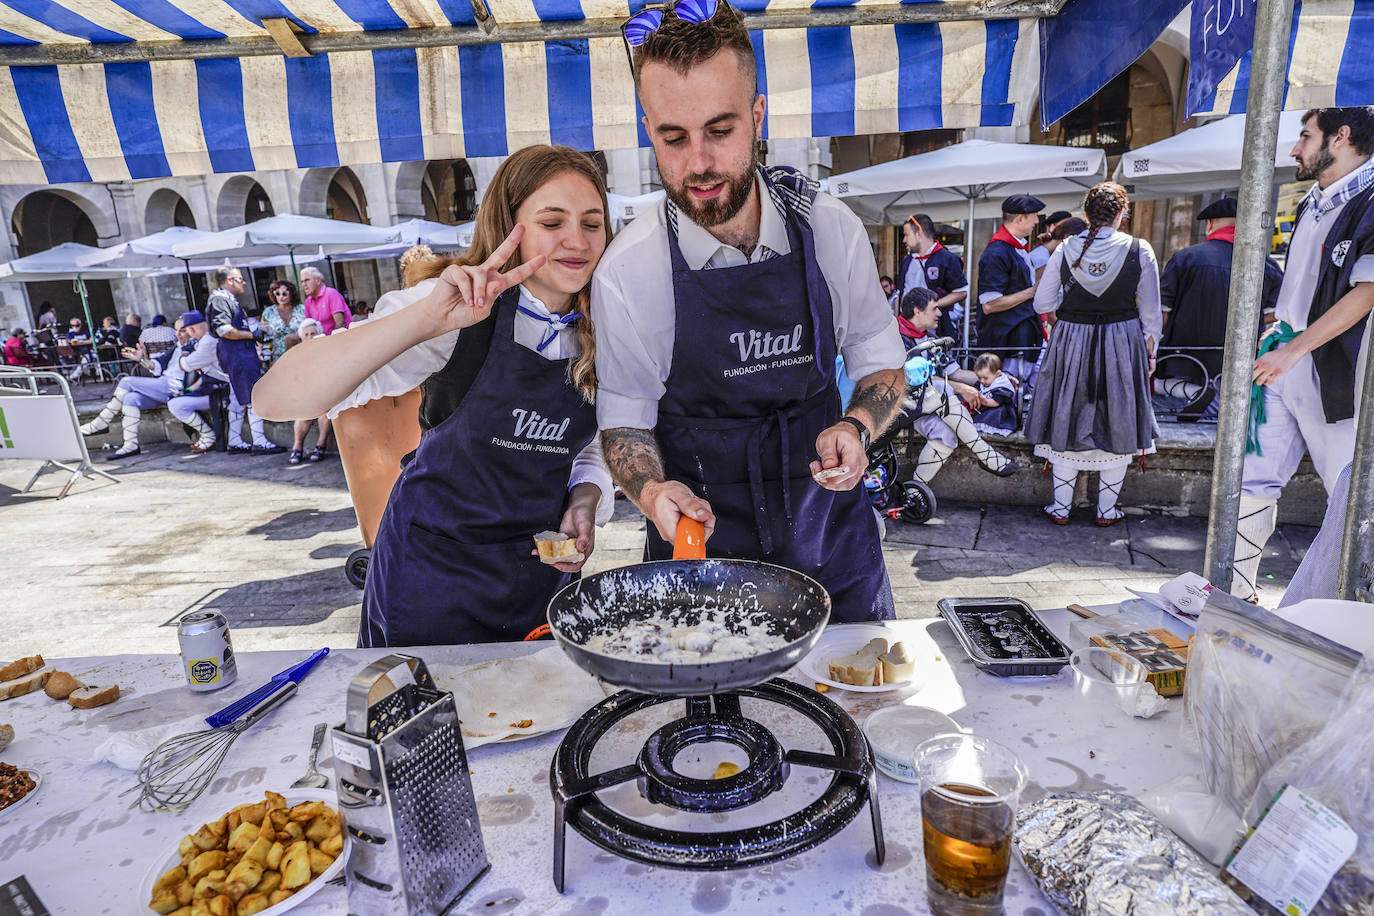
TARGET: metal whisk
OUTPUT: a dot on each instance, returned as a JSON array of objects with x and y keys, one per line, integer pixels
[{"x": 178, "y": 770}]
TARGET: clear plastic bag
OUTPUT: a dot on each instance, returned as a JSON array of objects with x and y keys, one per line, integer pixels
[
  {"x": 1336, "y": 767},
  {"x": 1258, "y": 688}
]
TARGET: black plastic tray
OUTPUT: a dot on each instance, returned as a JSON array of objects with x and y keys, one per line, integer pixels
[{"x": 991, "y": 629}]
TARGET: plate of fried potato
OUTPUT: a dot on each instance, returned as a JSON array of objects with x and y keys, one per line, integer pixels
[{"x": 263, "y": 857}]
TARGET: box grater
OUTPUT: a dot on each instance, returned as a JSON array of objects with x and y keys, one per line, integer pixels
[{"x": 405, "y": 795}]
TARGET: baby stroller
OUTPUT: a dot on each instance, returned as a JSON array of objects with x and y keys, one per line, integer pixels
[{"x": 906, "y": 500}]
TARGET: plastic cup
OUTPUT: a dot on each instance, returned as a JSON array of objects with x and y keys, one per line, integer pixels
[
  {"x": 1108, "y": 682},
  {"x": 970, "y": 788}
]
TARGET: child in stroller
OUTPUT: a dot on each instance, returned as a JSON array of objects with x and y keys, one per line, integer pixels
[{"x": 934, "y": 409}]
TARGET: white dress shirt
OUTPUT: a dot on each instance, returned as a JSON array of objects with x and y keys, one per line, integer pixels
[
  {"x": 409, "y": 369},
  {"x": 205, "y": 358},
  {"x": 1108, "y": 253},
  {"x": 633, "y": 303},
  {"x": 1304, "y": 260}
]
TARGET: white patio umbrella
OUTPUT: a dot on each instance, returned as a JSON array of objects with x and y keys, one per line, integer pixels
[
  {"x": 944, "y": 182},
  {"x": 287, "y": 234},
  {"x": 64, "y": 262},
  {"x": 1202, "y": 159},
  {"x": 624, "y": 209},
  {"x": 438, "y": 236},
  {"x": 154, "y": 252}
]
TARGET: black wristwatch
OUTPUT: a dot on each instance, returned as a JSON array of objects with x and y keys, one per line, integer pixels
[{"x": 859, "y": 425}]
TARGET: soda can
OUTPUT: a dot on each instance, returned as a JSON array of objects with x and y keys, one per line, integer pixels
[{"x": 207, "y": 654}]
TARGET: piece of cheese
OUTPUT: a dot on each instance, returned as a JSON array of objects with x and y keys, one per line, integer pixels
[
  {"x": 897, "y": 665},
  {"x": 859, "y": 670}
]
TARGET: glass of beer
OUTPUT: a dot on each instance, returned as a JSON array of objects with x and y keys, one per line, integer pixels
[{"x": 970, "y": 787}]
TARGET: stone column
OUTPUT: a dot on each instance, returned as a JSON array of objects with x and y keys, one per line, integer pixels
[
  {"x": 483, "y": 170},
  {"x": 808, "y": 155}
]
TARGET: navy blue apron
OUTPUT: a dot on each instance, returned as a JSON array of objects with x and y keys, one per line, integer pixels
[
  {"x": 239, "y": 358},
  {"x": 452, "y": 562},
  {"x": 752, "y": 385}
]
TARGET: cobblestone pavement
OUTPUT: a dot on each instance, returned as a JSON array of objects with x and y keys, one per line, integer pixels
[{"x": 110, "y": 568}]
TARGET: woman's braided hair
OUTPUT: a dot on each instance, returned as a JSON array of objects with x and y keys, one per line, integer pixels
[{"x": 1101, "y": 205}]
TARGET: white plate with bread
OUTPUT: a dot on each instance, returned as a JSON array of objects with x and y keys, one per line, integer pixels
[{"x": 862, "y": 658}]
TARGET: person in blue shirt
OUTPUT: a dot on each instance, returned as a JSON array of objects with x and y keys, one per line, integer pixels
[{"x": 1005, "y": 316}]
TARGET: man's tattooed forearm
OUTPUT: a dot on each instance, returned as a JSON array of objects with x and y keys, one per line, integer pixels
[
  {"x": 880, "y": 398},
  {"x": 633, "y": 458}
]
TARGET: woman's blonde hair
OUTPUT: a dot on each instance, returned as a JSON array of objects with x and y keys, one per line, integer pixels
[{"x": 524, "y": 172}]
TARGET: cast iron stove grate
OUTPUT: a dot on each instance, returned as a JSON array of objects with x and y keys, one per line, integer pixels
[{"x": 712, "y": 718}]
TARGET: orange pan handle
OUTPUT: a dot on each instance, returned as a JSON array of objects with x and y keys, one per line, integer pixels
[
  {"x": 538, "y": 632},
  {"x": 690, "y": 542}
]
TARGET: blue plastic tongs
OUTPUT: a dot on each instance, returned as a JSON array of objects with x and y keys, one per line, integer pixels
[{"x": 291, "y": 677}]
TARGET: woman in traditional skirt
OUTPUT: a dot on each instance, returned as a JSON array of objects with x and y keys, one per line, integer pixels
[{"x": 1091, "y": 410}]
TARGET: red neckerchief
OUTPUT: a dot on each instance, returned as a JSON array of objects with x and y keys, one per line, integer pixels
[
  {"x": 907, "y": 329},
  {"x": 1004, "y": 236},
  {"x": 921, "y": 257},
  {"x": 1225, "y": 234}
]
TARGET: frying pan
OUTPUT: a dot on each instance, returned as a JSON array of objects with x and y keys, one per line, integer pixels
[{"x": 755, "y": 595}]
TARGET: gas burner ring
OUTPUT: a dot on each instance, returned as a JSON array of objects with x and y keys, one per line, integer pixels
[
  {"x": 853, "y": 784},
  {"x": 663, "y": 784}
]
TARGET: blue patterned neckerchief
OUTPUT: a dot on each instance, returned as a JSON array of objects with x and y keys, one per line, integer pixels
[
  {"x": 556, "y": 323},
  {"x": 1320, "y": 204}
]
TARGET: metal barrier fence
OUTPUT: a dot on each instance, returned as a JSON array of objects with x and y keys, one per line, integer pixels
[
  {"x": 1175, "y": 395},
  {"x": 38, "y": 425}
]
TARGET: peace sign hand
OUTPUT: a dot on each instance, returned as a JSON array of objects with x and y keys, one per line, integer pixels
[{"x": 465, "y": 294}]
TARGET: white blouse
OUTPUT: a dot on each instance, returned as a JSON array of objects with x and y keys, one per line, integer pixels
[
  {"x": 409, "y": 369},
  {"x": 1099, "y": 270}
]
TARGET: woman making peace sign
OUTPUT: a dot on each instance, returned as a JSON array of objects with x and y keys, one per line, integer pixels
[{"x": 501, "y": 340}]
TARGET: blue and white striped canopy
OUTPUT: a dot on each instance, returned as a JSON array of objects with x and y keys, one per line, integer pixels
[
  {"x": 1330, "y": 63},
  {"x": 114, "y": 121}
]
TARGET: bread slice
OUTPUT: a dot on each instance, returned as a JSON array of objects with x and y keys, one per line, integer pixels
[
  {"x": 61, "y": 685},
  {"x": 91, "y": 697},
  {"x": 26, "y": 684},
  {"x": 6, "y": 736},
  {"x": 897, "y": 665},
  {"x": 18, "y": 669},
  {"x": 557, "y": 547}
]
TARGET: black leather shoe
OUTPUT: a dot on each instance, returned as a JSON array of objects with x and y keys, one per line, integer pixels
[
  {"x": 240, "y": 450},
  {"x": 272, "y": 449}
]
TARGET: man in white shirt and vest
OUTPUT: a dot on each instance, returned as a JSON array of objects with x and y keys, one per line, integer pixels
[
  {"x": 719, "y": 316},
  {"x": 1304, "y": 376}
]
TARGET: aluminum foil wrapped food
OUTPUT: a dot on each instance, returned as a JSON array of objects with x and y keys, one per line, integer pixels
[{"x": 1104, "y": 854}]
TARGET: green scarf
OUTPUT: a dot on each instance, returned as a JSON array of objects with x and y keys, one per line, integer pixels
[{"x": 1278, "y": 334}]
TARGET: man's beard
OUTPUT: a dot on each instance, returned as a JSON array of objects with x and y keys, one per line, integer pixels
[
  {"x": 724, "y": 206},
  {"x": 1321, "y": 161}
]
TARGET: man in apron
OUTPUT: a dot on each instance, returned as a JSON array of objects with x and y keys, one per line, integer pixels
[
  {"x": 238, "y": 355},
  {"x": 719, "y": 315}
]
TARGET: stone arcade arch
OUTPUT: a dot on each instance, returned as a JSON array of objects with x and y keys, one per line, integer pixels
[
  {"x": 167, "y": 208},
  {"x": 242, "y": 200},
  {"x": 50, "y": 217}
]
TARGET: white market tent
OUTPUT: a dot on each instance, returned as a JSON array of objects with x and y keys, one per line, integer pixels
[
  {"x": 968, "y": 180},
  {"x": 438, "y": 236},
  {"x": 287, "y": 234},
  {"x": 154, "y": 252},
  {"x": 624, "y": 209},
  {"x": 65, "y": 262},
  {"x": 1202, "y": 159}
]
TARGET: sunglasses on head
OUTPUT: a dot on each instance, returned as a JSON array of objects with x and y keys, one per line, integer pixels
[{"x": 637, "y": 29}]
